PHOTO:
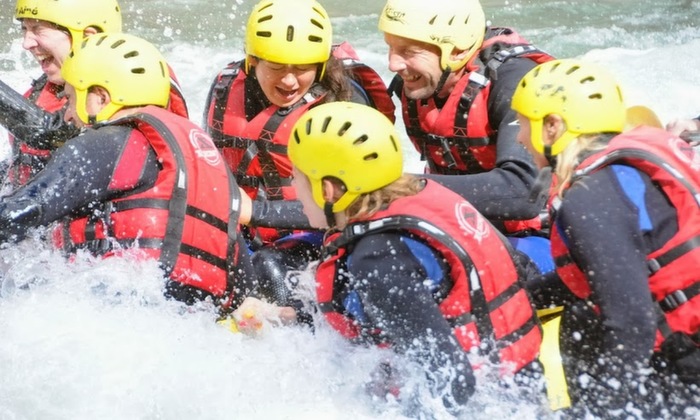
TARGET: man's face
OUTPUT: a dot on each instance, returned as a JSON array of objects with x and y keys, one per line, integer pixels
[
  {"x": 417, "y": 63},
  {"x": 48, "y": 44}
]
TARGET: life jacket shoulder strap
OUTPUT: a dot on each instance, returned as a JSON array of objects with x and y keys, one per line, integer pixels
[{"x": 218, "y": 97}]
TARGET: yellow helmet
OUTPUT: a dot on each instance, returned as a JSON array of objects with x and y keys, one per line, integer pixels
[
  {"x": 351, "y": 142},
  {"x": 74, "y": 15},
  {"x": 448, "y": 24},
  {"x": 585, "y": 95},
  {"x": 131, "y": 69},
  {"x": 289, "y": 32}
]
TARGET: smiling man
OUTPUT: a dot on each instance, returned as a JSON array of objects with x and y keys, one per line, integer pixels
[
  {"x": 455, "y": 77},
  {"x": 50, "y": 29}
]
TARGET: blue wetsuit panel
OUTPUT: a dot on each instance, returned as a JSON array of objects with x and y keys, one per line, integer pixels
[
  {"x": 537, "y": 249},
  {"x": 634, "y": 188}
]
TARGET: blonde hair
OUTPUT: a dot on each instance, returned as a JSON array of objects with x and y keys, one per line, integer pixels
[
  {"x": 368, "y": 204},
  {"x": 572, "y": 155}
]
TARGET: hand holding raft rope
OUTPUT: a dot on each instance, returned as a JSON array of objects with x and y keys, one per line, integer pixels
[{"x": 254, "y": 314}]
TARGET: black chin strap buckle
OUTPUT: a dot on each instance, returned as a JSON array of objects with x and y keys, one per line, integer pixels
[{"x": 330, "y": 216}]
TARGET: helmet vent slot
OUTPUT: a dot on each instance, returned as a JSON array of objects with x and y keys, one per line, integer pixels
[
  {"x": 264, "y": 34},
  {"x": 358, "y": 141},
  {"x": 449, "y": 22},
  {"x": 131, "y": 54},
  {"x": 394, "y": 143},
  {"x": 344, "y": 128},
  {"x": 290, "y": 33},
  {"x": 138, "y": 70},
  {"x": 432, "y": 20},
  {"x": 588, "y": 79},
  {"x": 572, "y": 69},
  {"x": 371, "y": 156},
  {"x": 117, "y": 44},
  {"x": 595, "y": 96},
  {"x": 99, "y": 41},
  {"x": 326, "y": 122}
]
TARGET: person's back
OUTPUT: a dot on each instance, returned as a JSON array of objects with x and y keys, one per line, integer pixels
[
  {"x": 624, "y": 222},
  {"x": 408, "y": 262}
]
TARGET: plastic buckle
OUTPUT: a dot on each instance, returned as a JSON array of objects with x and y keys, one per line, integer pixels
[
  {"x": 653, "y": 265},
  {"x": 673, "y": 300}
]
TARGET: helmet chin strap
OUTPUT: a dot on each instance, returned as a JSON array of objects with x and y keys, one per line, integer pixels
[
  {"x": 548, "y": 155},
  {"x": 330, "y": 215},
  {"x": 442, "y": 81}
]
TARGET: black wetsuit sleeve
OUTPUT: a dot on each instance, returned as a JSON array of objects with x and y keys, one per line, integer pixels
[
  {"x": 77, "y": 176},
  {"x": 390, "y": 283},
  {"x": 503, "y": 192},
  {"x": 279, "y": 214},
  {"x": 34, "y": 126},
  {"x": 602, "y": 226}
]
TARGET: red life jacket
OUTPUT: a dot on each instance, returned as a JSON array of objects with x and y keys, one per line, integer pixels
[
  {"x": 188, "y": 220},
  {"x": 485, "y": 302},
  {"x": 674, "y": 167},
  {"x": 47, "y": 96},
  {"x": 458, "y": 138},
  {"x": 255, "y": 146}
]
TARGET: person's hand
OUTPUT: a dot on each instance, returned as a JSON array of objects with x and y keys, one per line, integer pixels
[
  {"x": 246, "y": 208},
  {"x": 678, "y": 126},
  {"x": 254, "y": 314}
]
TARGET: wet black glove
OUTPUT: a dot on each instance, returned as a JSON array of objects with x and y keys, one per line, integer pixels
[
  {"x": 16, "y": 217},
  {"x": 37, "y": 128}
]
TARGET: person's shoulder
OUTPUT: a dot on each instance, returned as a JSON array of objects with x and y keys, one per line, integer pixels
[
  {"x": 105, "y": 133},
  {"x": 595, "y": 190}
]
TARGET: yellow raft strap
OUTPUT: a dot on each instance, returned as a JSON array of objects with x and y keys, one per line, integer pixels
[{"x": 557, "y": 390}]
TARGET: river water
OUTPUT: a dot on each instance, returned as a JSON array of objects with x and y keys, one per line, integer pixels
[{"x": 84, "y": 340}]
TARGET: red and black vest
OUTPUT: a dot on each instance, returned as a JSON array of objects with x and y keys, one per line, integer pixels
[
  {"x": 48, "y": 96},
  {"x": 458, "y": 138},
  {"x": 188, "y": 220},
  {"x": 484, "y": 301},
  {"x": 255, "y": 146},
  {"x": 674, "y": 279}
]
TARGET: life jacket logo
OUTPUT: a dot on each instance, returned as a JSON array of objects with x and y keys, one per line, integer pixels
[
  {"x": 204, "y": 147},
  {"x": 471, "y": 221},
  {"x": 20, "y": 11},
  {"x": 685, "y": 152},
  {"x": 394, "y": 15}
]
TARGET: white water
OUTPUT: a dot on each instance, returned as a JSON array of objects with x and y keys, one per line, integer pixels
[{"x": 96, "y": 340}]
